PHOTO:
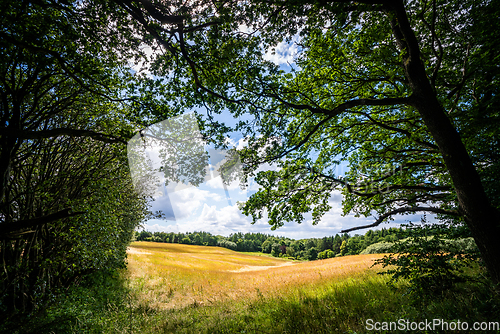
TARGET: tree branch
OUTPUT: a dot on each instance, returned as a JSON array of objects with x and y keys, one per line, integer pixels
[
  {"x": 6, "y": 228},
  {"x": 346, "y": 105},
  {"x": 402, "y": 210},
  {"x": 402, "y": 131},
  {"x": 24, "y": 134}
]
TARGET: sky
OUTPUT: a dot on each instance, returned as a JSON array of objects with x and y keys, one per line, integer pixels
[{"x": 208, "y": 205}]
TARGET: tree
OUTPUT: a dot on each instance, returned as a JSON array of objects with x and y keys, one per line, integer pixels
[
  {"x": 343, "y": 248},
  {"x": 275, "y": 249},
  {"x": 61, "y": 77},
  {"x": 267, "y": 246},
  {"x": 88, "y": 177},
  {"x": 312, "y": 254},
  {"x": 432, "y": 259},
  {"x": 405, "y": 91},
  {"x": 354, "y": 246}
]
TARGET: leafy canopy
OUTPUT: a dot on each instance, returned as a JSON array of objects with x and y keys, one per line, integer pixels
[{"x": 350, "y": 95}]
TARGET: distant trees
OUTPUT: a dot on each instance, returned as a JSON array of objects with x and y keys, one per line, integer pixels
[
  {"x": 228, "y": 244},
  {"x": 305, "y": 249}
]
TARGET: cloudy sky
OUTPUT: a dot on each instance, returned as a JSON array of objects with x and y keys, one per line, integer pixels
[{"x": 210, "y": 206}]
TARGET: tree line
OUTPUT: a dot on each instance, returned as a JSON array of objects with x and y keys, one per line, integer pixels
[{"x": 303, "y": 249}]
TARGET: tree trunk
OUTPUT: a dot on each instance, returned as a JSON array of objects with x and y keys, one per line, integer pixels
[{"x": 482, "y": 219}]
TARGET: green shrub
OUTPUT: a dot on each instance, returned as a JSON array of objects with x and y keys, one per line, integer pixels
[
  {"x": 430, "y": 259},
  {"x": 228, "y": 244},
  {"x": 378, "y": 248},
  {"x": 326, "y": 254}
]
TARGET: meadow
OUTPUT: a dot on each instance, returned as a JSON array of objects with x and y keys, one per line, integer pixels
[
  {"x": 174, "y": 288},
  {"x": 176, "y": 275}
]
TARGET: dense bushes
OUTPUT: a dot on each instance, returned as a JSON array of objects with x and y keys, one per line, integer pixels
[
  {"x": 228, "y": 244},
  {"x": 93, "y": 180}
]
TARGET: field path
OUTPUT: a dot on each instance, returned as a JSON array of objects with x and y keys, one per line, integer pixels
[
  {"x": 255, "y": 268},
  {"x": 133, "y": 250}
]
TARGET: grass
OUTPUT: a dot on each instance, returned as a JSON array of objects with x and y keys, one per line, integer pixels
[
  {"x": 170, "y": 288},
  {"x": 174, "y": 276}
]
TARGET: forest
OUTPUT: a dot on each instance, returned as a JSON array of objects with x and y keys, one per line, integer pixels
[{"x": 404, "y": 93}]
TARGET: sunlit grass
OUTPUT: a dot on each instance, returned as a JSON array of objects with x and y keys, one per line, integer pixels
[
  {"x": 169, "y": 276},
  {"x": 171, "y": 288}
]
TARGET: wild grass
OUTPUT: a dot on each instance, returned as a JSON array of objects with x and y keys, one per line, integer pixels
[
  {"x": 169, "y": 276},
  {"x": 171, "y": 288}
]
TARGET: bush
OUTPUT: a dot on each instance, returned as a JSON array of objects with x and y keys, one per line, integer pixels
[
  {"x": 326, "y": 254},
  {"x": 430, "y": 260},
  {"x": 275, "y": 250},
  {"x": 228, "y": 244},
  {"x": 378, "y": 248},
  {"x": 186, "y": 241}
]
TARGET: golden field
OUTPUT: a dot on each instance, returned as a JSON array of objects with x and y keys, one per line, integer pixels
[
  {"x": 167, "y": 276},
  {"x": 172, "y": 288}
]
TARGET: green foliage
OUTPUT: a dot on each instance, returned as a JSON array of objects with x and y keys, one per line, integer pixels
[
  {"x": 312, "y": 254},
  {"x": 67, "y": 203},
  {"x": 228, "y": 244},
  {"x": 185, "y": 240},
  {"x": 275, "y": 249},
  {"x": 378, "y": 248},
  {"x": 343, "y": 248},
  {"x": 430, "y": 259},
  {"x": 326, "y": 254},
  {"x": 266, "y": 246}
]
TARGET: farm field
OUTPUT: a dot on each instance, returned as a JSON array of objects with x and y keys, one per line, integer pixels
[{"x": 176, "y": 275}]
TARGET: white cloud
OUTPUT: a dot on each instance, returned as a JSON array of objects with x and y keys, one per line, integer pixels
[
  {"x": 153, "y": 226},
  {"x": 216, "y": 183},
  {"x": 186, "y": 202},
  {"x": 283, "y": 52},
  {"x": 143, "y": 65}
]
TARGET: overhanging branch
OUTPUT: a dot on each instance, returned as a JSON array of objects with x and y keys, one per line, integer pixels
[{"x": 403, "y": 210}]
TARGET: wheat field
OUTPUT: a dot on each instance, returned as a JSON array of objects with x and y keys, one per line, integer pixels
[{"x": 167, "y": 276}]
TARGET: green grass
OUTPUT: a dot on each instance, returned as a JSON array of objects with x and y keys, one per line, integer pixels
[{"x": 116, "y": 303}]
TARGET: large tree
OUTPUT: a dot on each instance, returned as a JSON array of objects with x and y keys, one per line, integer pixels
[
  {"x": 67, "y": 203},
  {"x": 406, "y": 91}
]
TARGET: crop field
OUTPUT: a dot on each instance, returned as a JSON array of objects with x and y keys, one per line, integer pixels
[{"x": 173, "y": 276}]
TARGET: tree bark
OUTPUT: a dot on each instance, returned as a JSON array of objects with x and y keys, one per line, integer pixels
[{"x": 481, "y": 217}]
